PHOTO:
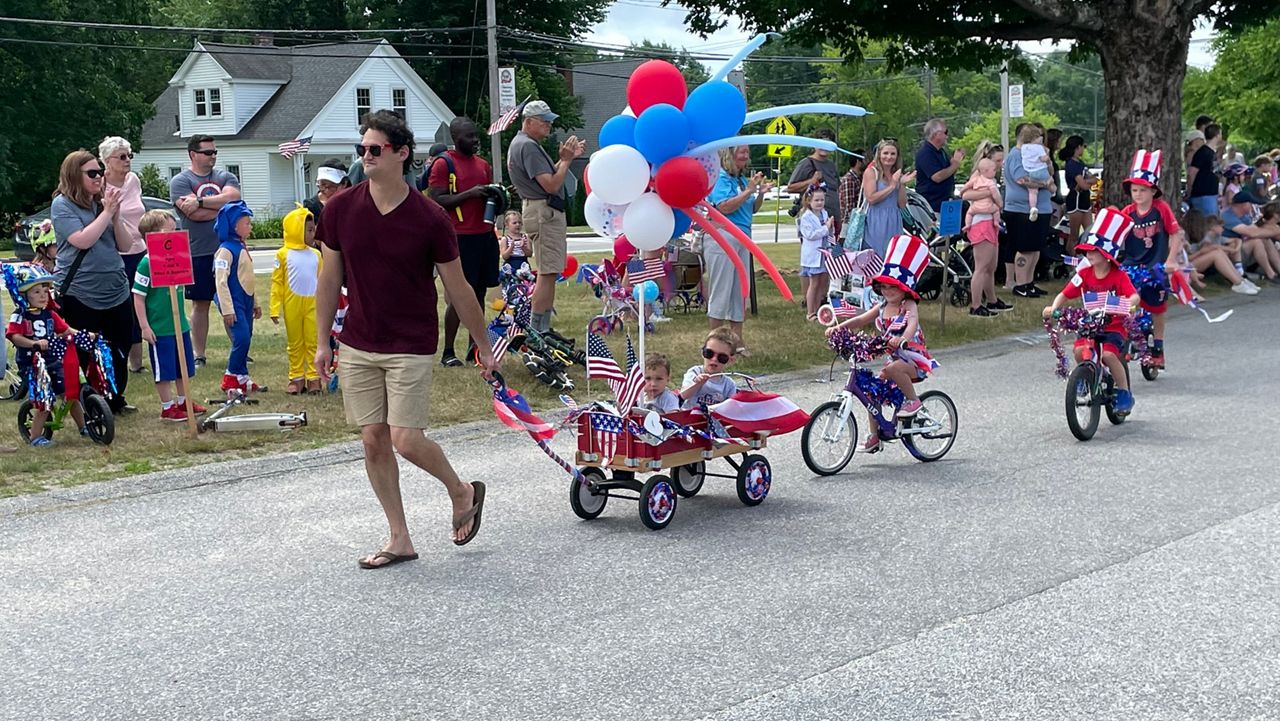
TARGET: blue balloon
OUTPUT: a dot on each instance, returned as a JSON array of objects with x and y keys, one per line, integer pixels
[
  {"x": 646, "y": 292},
  {"x": 682, "y": 224},
  {"x": 715, "y": 110},
  {"x": 618, "y": 130},
  {"x": 661, "y": 133}
]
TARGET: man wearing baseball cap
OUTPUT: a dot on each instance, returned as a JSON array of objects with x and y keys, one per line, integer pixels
[{"x": 544, "y": 188}]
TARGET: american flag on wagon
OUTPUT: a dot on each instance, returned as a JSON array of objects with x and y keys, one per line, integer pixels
[
  {"x": 629, "y": 391},
  {"x": 757, "y": 412},
  {"x": 605, "y": 430},
  {"x": 600, "y": 362},
  {"x": 1109, "y": 303},
  {"x": 504, "y": 121},
  {"x": 869, "y": 262},
  {"x": 513, "y": 410},
  {"x": 291, "y": 148},
  {"x": 638, "y": 270}
]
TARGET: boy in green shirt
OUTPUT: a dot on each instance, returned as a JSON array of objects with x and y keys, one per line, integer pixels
[{"x": 155, "y": 318}]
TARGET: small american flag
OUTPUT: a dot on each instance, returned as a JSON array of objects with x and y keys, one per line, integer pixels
[
  {"x": 605, "y": 429},
  {"x": 504, "y": 121},
  {"x": 629, "y": 392},
  {"x": 1109, "y": 303},
  {"x": 293, "y": 147},
  {"x": 638, "y": 271},
  {"x": 500, "y": 338},
  {"x": 838, "y": 264},
  {"x": 869, "y": 262},
  {"x": 844, "y": 309},
  {"x": 600, "y": 362}
]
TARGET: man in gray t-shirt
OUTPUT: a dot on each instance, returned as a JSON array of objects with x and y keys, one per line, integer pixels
[
  {"x": 543, "y": 187},
  {"x": 818, "y": 169},
  {"x": 198, "y": 193}
]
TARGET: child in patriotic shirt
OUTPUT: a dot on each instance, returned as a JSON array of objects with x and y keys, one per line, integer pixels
[
  {"x": 514, "y": 245},
  {"x": 1102, "y": 274},
  {"x": 33, "y": 325},
  {"x": 703, "y": 385},
  {"x": 1154, "y": 245}
]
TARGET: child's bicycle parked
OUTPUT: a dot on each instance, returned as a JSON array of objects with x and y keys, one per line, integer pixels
[
  {"x": 12, "y": 386},
  {"x": 830, "y": 437},
  {"x": 1090, "y": 387},
  {"x": 96, "y": 387}
]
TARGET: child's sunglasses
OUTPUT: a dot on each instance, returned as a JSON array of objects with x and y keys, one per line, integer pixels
[
  {"x": 374, "y": 151},
  {"x": 723, "y": 358}
]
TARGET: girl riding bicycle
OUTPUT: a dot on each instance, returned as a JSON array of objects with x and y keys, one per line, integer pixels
[
  {"x": 897, "y": 319},
  {"x": 1103, "y": 275}
]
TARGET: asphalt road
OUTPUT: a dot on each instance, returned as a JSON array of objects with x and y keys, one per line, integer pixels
[{"x": 1025, "y": 576}]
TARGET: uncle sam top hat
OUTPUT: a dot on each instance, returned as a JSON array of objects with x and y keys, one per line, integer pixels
[
  {"x": 1146, "y": 170},
  {"x": 1107, "y": 234},
  {"x": 906, "y": 257}
]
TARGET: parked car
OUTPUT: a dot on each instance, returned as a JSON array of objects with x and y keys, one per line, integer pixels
[{"x": 22, "y": 229}]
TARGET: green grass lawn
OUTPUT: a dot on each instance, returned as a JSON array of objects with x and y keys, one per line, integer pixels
[{"x": 779, "y": 339}]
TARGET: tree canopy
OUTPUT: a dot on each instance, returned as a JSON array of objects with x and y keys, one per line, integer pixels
[{"x": 1242, "y": 90}]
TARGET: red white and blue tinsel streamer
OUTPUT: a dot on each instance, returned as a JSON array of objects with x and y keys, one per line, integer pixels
[
  {"x": 1138, "y": 328},
  {"x": 1062, "y": 367},
  {"x": 11, "y": 284},
  {"x": 39, "y": 385},
  {"x": 880, "y": 390},
  {"x": 1071, "y": 320},
  {"x": 859, "y": 347},
  {"x": 1147, "y": 276}
]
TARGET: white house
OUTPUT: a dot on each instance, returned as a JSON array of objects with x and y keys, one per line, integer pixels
[{"x": 252, "y": 98}]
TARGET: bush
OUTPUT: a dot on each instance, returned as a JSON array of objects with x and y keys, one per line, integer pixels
[
  {"x": 267, "y": 228},
  {"x": 153, "y": 184}
]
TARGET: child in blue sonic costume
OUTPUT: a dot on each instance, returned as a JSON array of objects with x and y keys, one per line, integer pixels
[
  {"x": 233, "y": 278},
  {"x": 293, "y": 298}
]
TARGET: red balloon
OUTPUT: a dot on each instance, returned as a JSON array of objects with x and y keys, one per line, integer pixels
[
  {"x": 681, "y": 182},
  {"x": 570, "y": 267},
  {"x": 586, "y": 183},
  {"x": 654, "y": 82},
  {"x": 622, "y": 248}
]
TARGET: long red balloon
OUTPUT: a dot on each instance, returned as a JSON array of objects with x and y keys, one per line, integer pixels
[
  {"x": 729, "y": 250},
  {"x": 754, "y": 249}
]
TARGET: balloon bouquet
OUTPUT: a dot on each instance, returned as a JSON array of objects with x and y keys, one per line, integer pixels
[{"x": 658, "y": 159}]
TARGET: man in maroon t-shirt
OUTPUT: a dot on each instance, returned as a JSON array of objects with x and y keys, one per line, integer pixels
[
  {"x": 456, "y": 180},
  {"x": 386, "y": 239}
]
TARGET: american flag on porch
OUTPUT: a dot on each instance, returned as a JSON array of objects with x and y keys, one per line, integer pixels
[
  {"x": 504, "y": 121},
  {"x": 292, "y": 147},
  {"x": 1109, "y": 303},
  {"x": 638, "y": 271}
]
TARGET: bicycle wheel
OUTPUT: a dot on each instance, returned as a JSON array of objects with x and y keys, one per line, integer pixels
[
  {"x": 938, "y": 414},
  {"x": 1083, "y": 408},
  {"x": 1115, "y": 418},
  {"x": 24, "y": 422},
  {"x": 829, "y": 439},
  {"x": 99, "y": 419},
  {"x": 1150, "y": 371}
]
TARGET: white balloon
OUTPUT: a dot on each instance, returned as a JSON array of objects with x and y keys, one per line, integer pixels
[
  {"x": 604, "y": 218},
  {"x": 710, "y": 163},
  {"x": 619, "y": 174},
  {"x": 628, "y": 111},
  {"x": 649, "y": 222}
]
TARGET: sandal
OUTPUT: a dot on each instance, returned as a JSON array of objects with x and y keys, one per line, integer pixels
[
  {"x": 368, "y": 564},
  {"x": 472, "y": 514},
  {"x": 451, "y": 361}
]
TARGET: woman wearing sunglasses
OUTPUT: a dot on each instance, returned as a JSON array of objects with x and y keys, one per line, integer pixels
[
  {"x": 117, "y": 157},
  {"x": 94, "y": 291}
]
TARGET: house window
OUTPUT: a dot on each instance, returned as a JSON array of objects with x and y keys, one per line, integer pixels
[
  {"x": 399, "y": 103},
  {"x": 235, "y": 170},
  {"x": 364, "y": 103},
  {"x": 174, "y": 171},
  {"x": 208, "y": 102}
]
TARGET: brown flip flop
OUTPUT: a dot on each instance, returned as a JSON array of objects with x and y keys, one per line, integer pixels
[
  {"x": 477, "y": 508},
  {"x": 392, "y": 559}
]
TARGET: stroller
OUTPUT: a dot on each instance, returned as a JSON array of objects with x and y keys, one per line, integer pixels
[
  {"x": 919, "y": 219},
  {"x": 686, "y": 289}
]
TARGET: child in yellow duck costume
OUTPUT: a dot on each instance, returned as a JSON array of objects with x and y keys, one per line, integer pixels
[{"x": 293, "y": 298}]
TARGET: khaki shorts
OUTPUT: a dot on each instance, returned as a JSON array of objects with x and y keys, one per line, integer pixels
[
  {"x": 392, "y": 388},
  {"x": 547, "y": 232}
]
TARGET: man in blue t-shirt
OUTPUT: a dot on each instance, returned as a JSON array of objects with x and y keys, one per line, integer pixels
[{"x": 935, "y": 173}]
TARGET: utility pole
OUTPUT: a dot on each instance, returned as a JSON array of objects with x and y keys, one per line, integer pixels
[
  {"x": 1004, "y": 106},
  {"x": 495, "y": 140},
  {"x": 928, "y": 97}
]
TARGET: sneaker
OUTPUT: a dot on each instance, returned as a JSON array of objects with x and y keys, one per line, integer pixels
[
  {"x": 1025, "y": 291},
  {"x": 449, "y": 360},
  {"x": 910, "y": 408},
  {"x": 175, "y": 413},
  {"x": 872, "y": 444},
  {"x": 998, "y": 306},
  {"x": 197, "y": 408},
  {"x": 251, "y": 387},
  {"x": 1036, "y": 291},
  {"x": 41, "y": 442},
  {"x": 230, "y": 382},
  {"x": 200, "y": 361},
  {"x": 1157, "y": 357},
  {"x": 1243, "y": 289},
  {"x": 84, "y": 432},
  {"x": 982, "y": 312},
  {"x": 1249, "y": 284},
  {"x": 1035, "y": 213},
  {"x": 1123, "y": 403}
]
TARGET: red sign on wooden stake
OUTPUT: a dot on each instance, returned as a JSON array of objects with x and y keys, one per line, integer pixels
[{"x": 170, "y": 257}]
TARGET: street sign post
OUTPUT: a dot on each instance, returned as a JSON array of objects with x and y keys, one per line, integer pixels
[
  {"x": 1015, "y": 101},
  {"x": 169, "y": 255}
]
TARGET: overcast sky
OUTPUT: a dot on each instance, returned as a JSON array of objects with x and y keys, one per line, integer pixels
[{"x": 634, "y": 20}]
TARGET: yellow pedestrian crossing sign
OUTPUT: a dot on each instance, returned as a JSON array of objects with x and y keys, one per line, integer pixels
[
  {"x": 779, "y": 151},
  {"x": 781, "y": 126}
]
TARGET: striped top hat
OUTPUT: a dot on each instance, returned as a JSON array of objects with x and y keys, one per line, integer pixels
[
  {"x": 905, "y": 259},
  {"x": 1146, "y": 170},
  {"x": 1107, "y": 234}
]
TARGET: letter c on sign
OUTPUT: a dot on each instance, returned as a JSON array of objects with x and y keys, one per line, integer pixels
[{"x": 168, "y": 244}]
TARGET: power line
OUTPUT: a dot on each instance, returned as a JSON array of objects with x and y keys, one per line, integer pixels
[
  {"x": 232, "y": 31},
  {"x": 262, "y": 52}
]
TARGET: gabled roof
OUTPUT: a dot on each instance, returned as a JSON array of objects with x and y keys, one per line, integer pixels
[
  {"x": 311, "y": 74},
  {"x": 602, "y": 87}
]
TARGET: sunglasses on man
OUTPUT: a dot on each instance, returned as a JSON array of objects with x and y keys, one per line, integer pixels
[
  {"x": 206, "y": 153},
  {"x": 374, "y": 151},
  {"x": 723, "y": 358}
]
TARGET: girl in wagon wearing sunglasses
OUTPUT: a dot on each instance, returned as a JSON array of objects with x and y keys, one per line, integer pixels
[{"x": 702, "y": 383}]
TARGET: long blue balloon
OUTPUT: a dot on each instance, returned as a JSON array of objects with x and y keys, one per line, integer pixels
[
  {"x": 763, "y": 140},
  {"x": 830, "y": 108},
  {"x": 752, "y": 45}
]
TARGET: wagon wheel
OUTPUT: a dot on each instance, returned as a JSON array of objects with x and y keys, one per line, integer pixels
[{"x": 755, "y": 476}]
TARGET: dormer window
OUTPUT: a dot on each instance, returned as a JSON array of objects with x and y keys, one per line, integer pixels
[{"x": 207, "y": 102}]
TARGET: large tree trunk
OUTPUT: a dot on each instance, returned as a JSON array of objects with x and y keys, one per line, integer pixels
[{"x": 1144, "y": 61}]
